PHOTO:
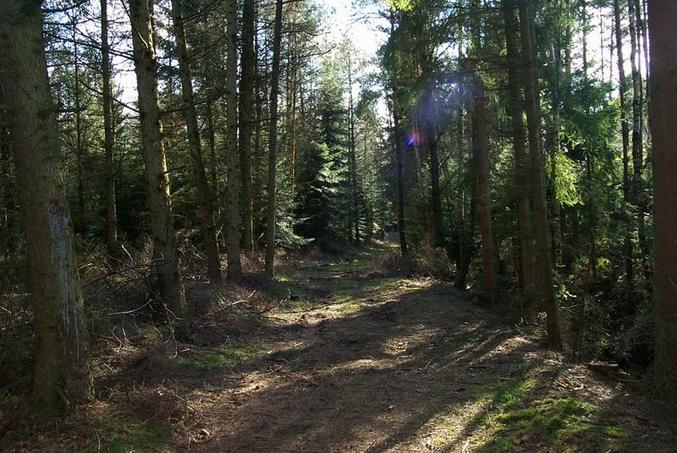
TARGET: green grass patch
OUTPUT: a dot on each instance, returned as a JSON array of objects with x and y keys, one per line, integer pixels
[
  {"x": 514, "y": 423},
  {"x": 283, "y": 289},
  {"x": 223, "y": 357},
  {"x": 123, "y": 435},
  {"x": 507, "y": 394},
  {"x": 357, "y": 262},
  {"x": 349, "y": 307},
  {"x": 295, "y": 306}
]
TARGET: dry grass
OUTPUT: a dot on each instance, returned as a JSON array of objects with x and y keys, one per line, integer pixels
[{"x": 343, "y": 354}]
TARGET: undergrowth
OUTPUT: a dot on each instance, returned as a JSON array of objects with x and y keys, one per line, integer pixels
[
  {"x": 518, "y": 419},
  {"x": 222, "y": 357}
]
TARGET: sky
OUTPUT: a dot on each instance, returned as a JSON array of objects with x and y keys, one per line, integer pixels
[
  {"x": 344, "y": 20},
  {"x": 359, "y": 24}
]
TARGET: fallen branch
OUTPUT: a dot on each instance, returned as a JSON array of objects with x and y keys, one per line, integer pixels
[{"x": 117, "y": 272}]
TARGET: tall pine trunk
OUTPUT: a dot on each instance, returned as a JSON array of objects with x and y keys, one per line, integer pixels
[
  {"x": 61, "y": 369},
  {"x": 232, "y": 150},
  {"x": 204, "y": 196},
  {"x": 399, "y": 168},
  {"x": 247, "y": 121},
  {"x": 554, "y": 140},
  {"x": 167, "y": 286},
  {"x": 467, "y": 234},
  {"x": 272, "y": 141},
  {"x": 352, "y": 164},
  {"x": 257, "y": 179},
  {"x": 521, "y": 160},
  {"x": 80, "y": 222},
  {"x": 436, "y": 192},
  {"x": 663, "y": 61},
  {"x": 625, "y": 137},
  {"x": 637, "y": 141},
  {"x": 480, "y": 137},
  {"x": 108, "y": 137},
  {"x": 544, "y": 271}
]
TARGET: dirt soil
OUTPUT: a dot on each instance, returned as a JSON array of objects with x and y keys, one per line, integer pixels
[{"x": 352, "y": 359}]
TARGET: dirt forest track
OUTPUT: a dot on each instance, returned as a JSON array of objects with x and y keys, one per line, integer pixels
[{"x": 361, "y": 361}]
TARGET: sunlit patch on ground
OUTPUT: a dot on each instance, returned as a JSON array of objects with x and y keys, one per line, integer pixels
[{"x": 348, "y": 361}]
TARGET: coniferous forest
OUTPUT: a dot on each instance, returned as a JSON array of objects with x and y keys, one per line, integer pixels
[{"x": 338, "y": 225}]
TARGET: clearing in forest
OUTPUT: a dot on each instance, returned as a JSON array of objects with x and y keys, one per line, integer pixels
[{"x": 354, "y": 360}]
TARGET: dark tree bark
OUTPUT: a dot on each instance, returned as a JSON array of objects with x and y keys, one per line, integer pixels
[
  {"x": 204, "y": 196},
  {"x": 436, "y": 193},
  {"x": 108, "y": 138},
  {"x": 544, "y": 271},
  {"x": 427, "y": 119},
  {"x": 397, "y": 136},
  {"x": 637, "y": 142},
  {"x": 553, "y": 139},
  {"x": 663, "y": 36},
  {"x": 257, "y": 180},
  {"x": 61, "y": 368},
  {"x": 233, "y": 183},
  {"x": 211, "y": 140},
  {"x": 521, "y": 160},
  {"x": 291, "y": 94},
  {"x": 272, "y": 141},
  {"x": 625, "y": 136},
  {"x": 467, "y": 235},
  {"x": 399, "y": 168},
  {"x": 482, "y": 161},
  {"x": 80, "y": 222},
  {"x": 352, "y": 165},
  {"x": 167, "y": 287},
  {"x": 247, "y": 121}
]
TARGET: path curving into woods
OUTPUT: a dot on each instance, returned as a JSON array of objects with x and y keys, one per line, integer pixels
[
  {"x": 356, "y": 360},
  {"x": 369, "y": 362}
]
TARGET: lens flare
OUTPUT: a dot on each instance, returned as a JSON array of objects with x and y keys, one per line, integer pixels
[{"x": 412, "y": 140}]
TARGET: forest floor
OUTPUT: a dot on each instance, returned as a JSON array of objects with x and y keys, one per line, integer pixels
[{"x": 353, "y": 359}]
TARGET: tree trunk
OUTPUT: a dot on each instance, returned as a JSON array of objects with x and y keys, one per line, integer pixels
[
  {"x": 554, "y": 141},
  {"x": 291, "y": 95},
  {"x": 436, "y": 196},
  {"x": 521, "y": 160},
  {"x": 544, "y": 272},
  {"x": 234, "y": 272},
  {"x": 167, "y": 286},
  {"x": 467, "y": 248},
  {"x": 481, "y": 153},
  {"x": 80, "y": 223},
  {"x": 211, "y": 140},
  {"x": 592, "y": 223},
  {"x": 584, "y": 42},
  {"x": 61, "y": 369},
  {"x": 636, "y": 105},
  {"x": 352, "y": 158},
  {"x": 7, "y": 190},
  {"x": 399, "y": 164},
  {"x": 272, "y": 141},
  {"x": 108, "y": 138},
  {"x": 257, "y": 180},
  {"x": 247, "y": 121},
  {"x": 207, "y": 227},
  {"x": 459, "y": 219},
  {"x": 663, "y": 61},
  {"x": 625, "y": 134},
  {"x": 638, "y": 195},
  {"x": 211, "y": 114}
]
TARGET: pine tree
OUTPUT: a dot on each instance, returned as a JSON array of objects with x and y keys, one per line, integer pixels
[
  {"x": 663, "y": 28},
  {"x": 168, "y": 287},
  {"x": 61, "y": 371}
]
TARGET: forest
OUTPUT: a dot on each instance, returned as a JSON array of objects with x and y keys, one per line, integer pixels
[{"x": 338, "y": 225}]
